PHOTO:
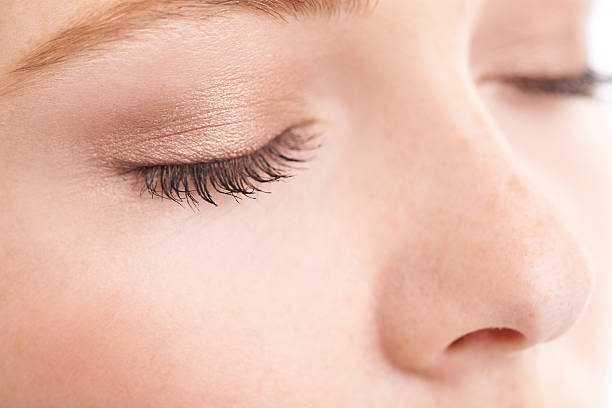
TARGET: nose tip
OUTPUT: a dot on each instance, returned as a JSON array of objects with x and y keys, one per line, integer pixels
[{"x": 500, "y": 286}]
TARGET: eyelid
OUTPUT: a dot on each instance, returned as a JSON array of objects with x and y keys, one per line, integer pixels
[
  {"x": 583, "y": 84},
  {"x": 201, "y": 125},
  {"x": 237, "y": 177}
]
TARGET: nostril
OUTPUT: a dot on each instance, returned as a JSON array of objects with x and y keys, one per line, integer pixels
[{"x": 502, "y": 338}]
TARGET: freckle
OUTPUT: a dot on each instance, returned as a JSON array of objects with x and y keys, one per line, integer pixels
[
  {"x": 18, "y": 345},
  {"x": 516, "y": 186},
  {"x": 491, "y": 201}
]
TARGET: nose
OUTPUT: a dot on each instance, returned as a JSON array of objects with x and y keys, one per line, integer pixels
[{"x": 486, "y": 264}]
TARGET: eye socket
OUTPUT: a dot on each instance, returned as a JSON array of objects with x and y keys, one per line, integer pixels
[
  {"x": 584, "y": 84},
  {"x": 238, "y": 177}
]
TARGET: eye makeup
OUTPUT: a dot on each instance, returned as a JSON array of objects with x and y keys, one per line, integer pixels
[
  {"x": 584, "y": 84},
  {"x": 238, "y": 177}
]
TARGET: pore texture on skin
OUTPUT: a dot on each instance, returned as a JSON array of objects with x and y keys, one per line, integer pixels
[{"x": 274, "y": 204}]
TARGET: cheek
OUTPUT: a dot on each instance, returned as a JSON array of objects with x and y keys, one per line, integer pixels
[
  {"x": 109, "y": 322},
  {"x": 567, "y": 145},
  {"x": 77, "y": 323},
  {"x": 125, "y": 317}
]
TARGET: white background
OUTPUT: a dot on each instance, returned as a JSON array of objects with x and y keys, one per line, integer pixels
[
  {"x": 601, "y": 40},
  {"x": 600, "y": 32}
]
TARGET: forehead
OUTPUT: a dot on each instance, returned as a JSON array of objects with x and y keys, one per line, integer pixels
[{"x": 28, "y": 24}]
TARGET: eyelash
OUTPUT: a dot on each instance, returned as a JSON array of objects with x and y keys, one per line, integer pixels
[
  {"x": 237, "y": 177},
  {"x": 584, "y": 84}
]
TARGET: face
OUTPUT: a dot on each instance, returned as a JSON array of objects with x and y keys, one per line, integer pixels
[{"x": 442, "y": 241}]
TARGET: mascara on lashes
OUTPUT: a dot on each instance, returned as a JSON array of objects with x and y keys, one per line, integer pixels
[
  {"x": 237, "y": 177},
  {"x": 584, "y": 84}
]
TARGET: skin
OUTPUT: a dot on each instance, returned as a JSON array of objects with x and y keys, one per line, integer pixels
[{"x": 441, "y": 205}]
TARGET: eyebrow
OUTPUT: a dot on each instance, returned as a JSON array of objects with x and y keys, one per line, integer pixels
[{"x": 91, "y": 32}]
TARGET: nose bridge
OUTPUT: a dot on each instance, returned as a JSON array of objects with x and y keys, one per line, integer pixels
[{"x": 489, "y": 250}]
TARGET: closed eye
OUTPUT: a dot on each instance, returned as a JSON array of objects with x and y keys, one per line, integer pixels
[
  {"x": 584, "y": 84},
  {"x": 238, "y": 177}
]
